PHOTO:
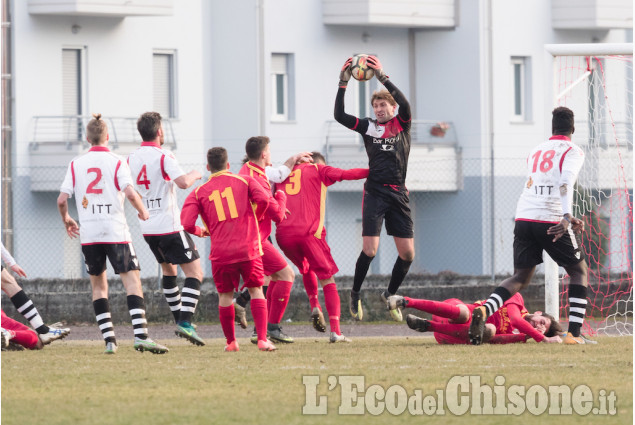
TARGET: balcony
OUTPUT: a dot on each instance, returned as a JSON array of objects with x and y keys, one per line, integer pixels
[
  {"x": 591, "y": 14},
  {"x": 434, "y": 164},
  {"x": 101, "y": 8},
  {"x": 395, "y": 13},
  {"x": 56, "y": 140}
]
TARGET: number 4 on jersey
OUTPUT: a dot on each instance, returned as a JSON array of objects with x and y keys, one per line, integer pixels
[{"x": 142, "y": 178}]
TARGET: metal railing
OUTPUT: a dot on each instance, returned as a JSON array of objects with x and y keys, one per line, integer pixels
[{"x": 71, "y": 130}]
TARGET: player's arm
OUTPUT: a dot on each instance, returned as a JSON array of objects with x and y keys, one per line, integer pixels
[
  {"x": 258, "y": 196},
  {"x": 72, "y": 229},
  {"x": 170, "y": 167},
  {"x": 135, "y": 200},
  {"x": 187, "y": 180},
  {"x": 189, "y": 215},
  {"x": 331, "y": 175},
  {"x": 571, "y": 166},
  {"x": 280, "y": 174},
  {"x": 508, "y": 338},
  {"x": 404, "y": 113},
  {"x": 521, "y": 324},
  {"x": 349, "y": 121}
]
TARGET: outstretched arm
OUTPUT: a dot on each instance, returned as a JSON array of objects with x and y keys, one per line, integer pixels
[
  {"x": 404, "y": 107},
  {"x": 521, "y": 324},
  {"x": 348, "y": 121},
  {"x": 331, "y": 175}
]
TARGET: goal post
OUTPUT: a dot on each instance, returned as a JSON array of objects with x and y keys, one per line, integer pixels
[{"x": 596, "y": 82}]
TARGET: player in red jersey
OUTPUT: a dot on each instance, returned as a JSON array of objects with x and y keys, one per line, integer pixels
[
  {"x": 157, "y": 174},
  {"x": 451, "y": 321},
  {"x": 20, "y": 335},
  {"x": 302, "y": 236},
  {"x": 544, "y": 222},
  {"x": 282, "y": 276},
  {"x": 224, "y": 203},
  {"x": 100, "y": 180}
]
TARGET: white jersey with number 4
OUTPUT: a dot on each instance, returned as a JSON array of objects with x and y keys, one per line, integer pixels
[
  {"x": 552, "y": 170},
  {"x": 97, "y": 179},
  {"x": 154, "y": 170}
]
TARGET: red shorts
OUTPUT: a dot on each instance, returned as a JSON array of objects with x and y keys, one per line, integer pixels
[
  {"x": 309, "y": 252},
  {"x": 272, "y": 260},
  {"x": 227, "y": 276},
  {"x": 449, "y": 339},
  {"x": 25, "y": 336}
]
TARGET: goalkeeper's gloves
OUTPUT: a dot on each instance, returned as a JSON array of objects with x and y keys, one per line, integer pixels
[
  {"x": 345, "y": 74},
  {"x": 374, "y": 63}
]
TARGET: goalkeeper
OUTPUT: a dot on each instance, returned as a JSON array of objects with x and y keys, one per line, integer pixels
[{"x": 387, "y": 142}]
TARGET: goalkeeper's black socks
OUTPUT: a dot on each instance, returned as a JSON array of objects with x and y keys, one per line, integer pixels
[
  {"x": 496, "y": 300},
  {"x": 399, "y": 272},
  {"x": 577, "y": 308},
  {"x": 361, "y": 269}
]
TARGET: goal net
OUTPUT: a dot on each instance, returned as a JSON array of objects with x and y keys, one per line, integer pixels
[{"x": 596, "y": 82}]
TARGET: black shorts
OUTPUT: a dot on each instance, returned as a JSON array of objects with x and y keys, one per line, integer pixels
[
  {"x": 175, "y": 248},
  {"x": 122, "y": 257},
  {"x": 391, "y": 203},
  {"x": 531, "y": 238}
]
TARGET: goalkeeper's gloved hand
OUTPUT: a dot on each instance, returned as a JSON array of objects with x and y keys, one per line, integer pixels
[
  {"x": 345, "y": 74},
  {"x": 373, "y": 62}
]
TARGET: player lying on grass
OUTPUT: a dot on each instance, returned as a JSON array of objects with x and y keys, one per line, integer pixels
[
  {"x": 23, "y": 303},
  {"x": 230, "y": 206},
  {"x": 302, "y": 235},
  {"x": 16, "y": 336},
  {"x": 451, "y": 321}
]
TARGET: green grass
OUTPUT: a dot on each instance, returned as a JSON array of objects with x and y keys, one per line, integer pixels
[{"x": 73, "y": 383}]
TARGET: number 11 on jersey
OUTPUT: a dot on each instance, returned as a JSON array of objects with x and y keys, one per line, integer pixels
[{"x": 228, "y": 194}]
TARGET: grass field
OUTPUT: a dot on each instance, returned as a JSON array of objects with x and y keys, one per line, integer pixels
[{"x": 73, "y": 383}]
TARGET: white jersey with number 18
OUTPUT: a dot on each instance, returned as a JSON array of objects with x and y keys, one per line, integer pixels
[
  {"x": 552, "y": 170},
  {"x": 97, "y": 179},
  {"x": 154, "y": 170}
]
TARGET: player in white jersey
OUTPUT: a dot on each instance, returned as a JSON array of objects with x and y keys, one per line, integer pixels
[
  {"x": 100, "y": 180},
  {"x": 544, "y": 222},
  {"x": 23, "y": 303},
  {"x": 157, "y": 173}
]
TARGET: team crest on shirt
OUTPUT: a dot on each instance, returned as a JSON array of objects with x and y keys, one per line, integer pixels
[
  {"x": 530, "y": 182},
  {"x": 85, "y": 202}
]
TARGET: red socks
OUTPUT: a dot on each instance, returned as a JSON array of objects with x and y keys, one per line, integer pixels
[
  {"x": 436, "y": 308},
  {"x": 259, "y": 313},
  {"x": 226, "y": 315},
  {"x": 311, "y": 287},
  {"x": 332, "y": 301},
  {"x": 278, "y": 297}
]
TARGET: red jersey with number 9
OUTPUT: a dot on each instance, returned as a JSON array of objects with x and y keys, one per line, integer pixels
[
  {"x": 550, "y": 166},
  {"x": 97, "y": 179},
  {"x": 229, "y": 206}
]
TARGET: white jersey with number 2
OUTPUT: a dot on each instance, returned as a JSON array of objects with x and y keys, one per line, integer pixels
[
  {"x": 97, "y": 179},
  {"x": 154, "y": 170},
  {"x": 552, "y": 170}
]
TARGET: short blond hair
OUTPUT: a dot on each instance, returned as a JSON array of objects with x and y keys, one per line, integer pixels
[
  {"x": 96, "y": 130},
  {"x": 383, "y": 95}
]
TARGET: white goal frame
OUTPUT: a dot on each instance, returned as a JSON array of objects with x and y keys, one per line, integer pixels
[{"x": 552, "y": 275}]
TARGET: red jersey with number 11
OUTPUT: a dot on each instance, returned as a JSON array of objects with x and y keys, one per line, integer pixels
[{"x": 229, "y": 206}]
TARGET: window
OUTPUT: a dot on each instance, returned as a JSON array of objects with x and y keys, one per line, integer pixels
[
  {"x": 282, "y": 87},
  {"x": 72, "y": 93},
  {"x": 521, "y": 89},
  {"x": 164, "y": 84}
]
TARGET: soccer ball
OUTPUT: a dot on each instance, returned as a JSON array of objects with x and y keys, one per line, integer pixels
[{"x": 360, "y": 69}]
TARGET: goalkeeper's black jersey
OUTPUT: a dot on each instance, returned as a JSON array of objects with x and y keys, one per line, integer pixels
[{"x": 387, "y": 144}]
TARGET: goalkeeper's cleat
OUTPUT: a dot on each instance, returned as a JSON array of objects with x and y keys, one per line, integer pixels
[
  {"x": 233, "y": 346},
  {"x": 54, "y": 334},
  {"x": 187, "y": 331},
  {"x": 240, "y": 314},
  {"x": 274, "y": 332},
  {"x": 317, "y": 320},
  {"x": 254, "y": 336},
  {"x": 355, "y": 306},
  {"x": 417, "y": 323},
  {"x": 477, "y": 326},
  {"x": 569, "y": 339},
  {"x": 111, "y": 348},
  {"x": 338, "y": 338},
  {"x": 395, "y": 312},
  {"x": 149, "y": 345},
  {"x": 266, "y": 346}
]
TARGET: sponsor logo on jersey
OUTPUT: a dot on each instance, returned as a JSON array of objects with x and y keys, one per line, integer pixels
[
  {"x": 85, "y": 202},
  {"x": 530, "y": 182},
  {"x": 387, "y": 148}
]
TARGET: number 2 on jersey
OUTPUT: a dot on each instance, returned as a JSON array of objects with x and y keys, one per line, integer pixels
[
  {"x": 547, "y": 161},
  {"x": 91, "y": 185},
  {"x": 228, "y": 194},
  {"x": 142, "y": 178}
]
